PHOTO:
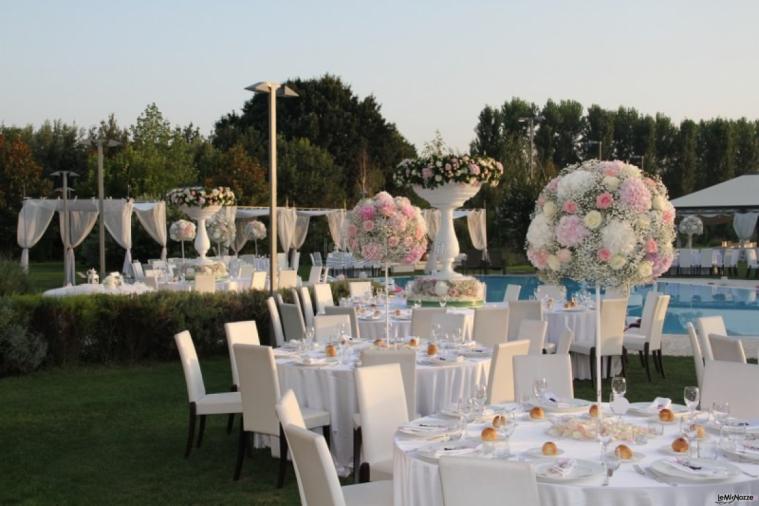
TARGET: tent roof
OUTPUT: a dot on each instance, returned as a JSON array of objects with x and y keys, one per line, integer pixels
[{"x": 738, "y": 194}]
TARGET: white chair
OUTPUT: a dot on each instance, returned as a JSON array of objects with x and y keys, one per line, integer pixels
[
  {"x": 327, "y": 327},
  {"x": 619, "y": 292},
  {"x": 323, "y": 297},
  {"x": 205, "y": 283},
  {"x": 706, "y": 261},
  {"x": 523, "y": 310},
  {"x": 648, "y": 337},
  {"x": 566, "y": 339},
  {"x": 556, "y": 369},
  {"x": 382, "y": 409},
  {"x": 613, "y": 313},
  {"x": 512, "y": 293},
  {"x": 259, "y": 392},
  {"x": 318, "y": 481},
  {"x": 421, "y": 320},
  {"x": 733, "y": 383},
  {"x": 698, "y": 358},
  {"x": 295, "y": 260},
  {"x": 501, "y": 375},
  {"x": 491, "y": 325},
  {"x": 556, "y": 292},
  {"x": 351, "y": 312},
  {"x": 137, "y": 271},
  {"x": 244, "y": 332},
  {"x": 201, "y": 404},
  {"x": 709, "y": 325},
  {"x": 360, "y": 289},
  {"x": 292, "y": 321},
  {"x": 450, "y": 324},
  {"x": 469, "y": 481},
  {"x": 535, "y": 332},
  {"x": 727, "y": 349},
  {"x": 276, "y": 322},
  {"x": 315, "y": 274},
  {"x": 751, "y": 260},
  {"x": 684, "y": 261},
  {"x": 282, "y": 263},
  {"x": 287, "y": 279},
  {"x": 152, "y": 282},
  {"x": 305, "y": 305},
  {"x": 246, "y": 270},
  {"x": 406, "y": 359}
]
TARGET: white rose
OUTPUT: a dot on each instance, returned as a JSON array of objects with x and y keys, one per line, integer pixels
[
  {"x": 438, "y": 178},
  {"x": 441, "y": 288},
  {"x": 553, "y": 262},
  {"x": 549, "y": 209},
  {"x": 658, "y": 203},
  {"x": 645, "y": 269},
  {"x": 617, "y": 262},
  {"x": 644, "y": 221},
  {"x": 618, "y": 237},
  {"x": 593, "y": 220},
  {"x": 629, "y": 171},
  {"x": 611, "y": 182}
]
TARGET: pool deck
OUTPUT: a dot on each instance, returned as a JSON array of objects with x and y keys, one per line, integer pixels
[{"x": 733, "y": 283}]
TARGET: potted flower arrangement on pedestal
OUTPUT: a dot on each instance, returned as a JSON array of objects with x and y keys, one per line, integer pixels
[
  {"x": 222, "y": 231},
  {"x": 255, "y": 230},
  {"x": 200, "y": 204},
  {"x": 447, "y": 181}
]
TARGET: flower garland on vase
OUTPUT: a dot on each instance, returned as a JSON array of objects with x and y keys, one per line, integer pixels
[
  {"x": 604, "y": 223},
  {"x": 181, "y": 231},
  {"x": 386, "y": 230},
  {"x": 439, "y": 169},
  {"x": 197, "y": 196}
]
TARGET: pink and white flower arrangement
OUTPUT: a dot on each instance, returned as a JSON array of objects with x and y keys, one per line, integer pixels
[
  {"x": 182, "y": 230},
  {"x": 604, "y": 222},
  {"x": 439, "y": 169},
  {"x": 197, "y": 196},
  {"x": 221, "y": 229},
  {"x": 255, "y": 230},
  {"x": 386, "y": 230}
]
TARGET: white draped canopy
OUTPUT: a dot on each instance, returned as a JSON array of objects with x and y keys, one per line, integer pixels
[{"x": 36, "y": 214}]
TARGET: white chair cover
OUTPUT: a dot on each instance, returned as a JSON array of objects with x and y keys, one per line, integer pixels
[
  {"x": 557, "y": 369},
  {"x": 33, "y": 220},
  {"x": 501, "y": 375},
  {"x": 733, "y": 383},
  {"x": 360, "y": 288},
  {"x": 727, "y": 349},
  {"x": 535, "y": 332},
  {"x": 327, "y": 327},
  {"x": 491, "y": 325},
  {"x": 512, "y": 293},
  {"x": 709, "y": 325},
  {"x": 698, "y": 358},
  {"x": 323, "y": 297},
  {"x": 351, "y": 312},
  {"x": 244, "y": 332},
  {"x": 469, "y": 481},
  {"x": 276, "y": 322},
  {"x": 523, "y": 310},
  {"x": 406, "y": 359},
  {"x": 421, "y": 320}
]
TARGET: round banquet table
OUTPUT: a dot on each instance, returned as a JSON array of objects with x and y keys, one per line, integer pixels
[
  {"x": 374, "y": 327},
  {"x": 416, "y": 479},
  {"x": 332, "y": 388},
  {"x": 99, "y": 289},
  {"x": 583, "y": 323},
  {"x": 222, "y": 285}
]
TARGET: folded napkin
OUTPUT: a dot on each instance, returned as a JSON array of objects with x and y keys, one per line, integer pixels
[
  {"x": 424, "y": 428},
  {"x": 550, "y": 399},
  {"x": 313, "y": 360},
  {"x": 685, "y": 466},
  {"x": 562, "y": 467},
  {"x": 454, "y": 451},
  {"x": 658, "y": 404}
]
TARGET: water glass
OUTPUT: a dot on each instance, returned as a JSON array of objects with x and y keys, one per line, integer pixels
[
  {"x": 443, "y": 301},
  {"x": 691, "y": 396},
  {"x": 720, "y": 411},
  {"x": 655, "y": 427},
  {"x": 539, "y": 388},
  {"x": 619, "y": 386}
]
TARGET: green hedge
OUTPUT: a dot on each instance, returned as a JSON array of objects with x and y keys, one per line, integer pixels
[{"x": 105, "y": 329}]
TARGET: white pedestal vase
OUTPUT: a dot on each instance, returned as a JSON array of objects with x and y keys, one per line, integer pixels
[
  {"x": 461, "y": 290},
  {"x": 201, "y": 214}
]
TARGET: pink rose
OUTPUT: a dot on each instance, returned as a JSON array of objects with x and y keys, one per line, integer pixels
[
  {"x": 398, "y": 222},
  {"x": 368, "y": 225},
  {"x": 426, "y": 173},
  {"x": 570, "y": 207},
  {"x": 387, "y": 210},
  {"x": 353, "y": 244},
  {"x": 366, "y": 212},
  {"x": 603, "y": 254},
  {"x": 352, "y": 231},
  {"x": 393, "y": 241},
  {"x": 408, "y": 241},
  {"x": 651, "y": 246},
  {"x": 553, "y": 184},
  {"x": 408, "y": 210},
  {"x": 419, "y": 233},
  {"x": 541, "y": 200},
  {"x": 564, "y": 255},
  {"x": 371, "y": 251},
  {"x": 538, "y": 258},
  {"x": 474, "y": 169},
  {"x": 668, "y": 216},
  {"x": 649, "y": 182},
  {"x": 571, "y": 231},
  {"x": 604, "y": 201},
  {"x": 662, "y": 263}
]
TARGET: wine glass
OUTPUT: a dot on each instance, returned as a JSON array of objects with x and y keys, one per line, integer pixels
[
  {"x": 604, "y": 435},
  {"x": 443, "y": 301},
  {"x": 310, "y": 333},
  {"x": 618, "y": 386},
  {"x": 691, "y": 395},
  {"x": 720, "y": 411},
  {"x": 539, "y": 388}
]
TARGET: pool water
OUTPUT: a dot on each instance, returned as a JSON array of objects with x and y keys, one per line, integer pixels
[{"x": 738, "y": 306}]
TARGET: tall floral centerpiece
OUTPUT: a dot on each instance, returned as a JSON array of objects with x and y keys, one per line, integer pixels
[
  {"x": 222, "y": 231},
  {"x": 255, "y": 230},
  {"x": 604, "y": 223},
  {"x": 447, "y": 181},
  {"x": 181, "y": 231},
  {"x": 690, "y": 226},
  {"x": 386, "y": 230},
  {"x": 200, "y": 204}
]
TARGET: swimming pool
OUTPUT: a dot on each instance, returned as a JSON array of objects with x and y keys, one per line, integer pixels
[{"x": 738, "y": 306}]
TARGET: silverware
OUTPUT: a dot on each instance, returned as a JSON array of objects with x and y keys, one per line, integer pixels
[{"x": 650, "y": 473}]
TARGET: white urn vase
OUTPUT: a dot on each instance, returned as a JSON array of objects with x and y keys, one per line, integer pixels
[
  {"x": 201, "y": 214},
  {"x": 447, "y": 198}
]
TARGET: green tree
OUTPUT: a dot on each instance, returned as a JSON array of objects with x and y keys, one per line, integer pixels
[
  {"x": 746, "y": 147},
  {"x": 683, "y": 179},
  {"x": 599, "y": 127},
  {"x": 717, "y": 152},
  {"x": 307, "y": 176}
]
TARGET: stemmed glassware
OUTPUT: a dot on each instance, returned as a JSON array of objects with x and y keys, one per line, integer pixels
[
  {"x": 720, "y": 412},
  {"x": 539, "y": 388},
  {"x": 619, "y": 386},
  {"x": 443, "y": 301},
  {"x": 691, "y": 396}
]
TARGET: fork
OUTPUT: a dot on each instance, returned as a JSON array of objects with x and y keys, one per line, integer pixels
[{"x": 651, "y": 474}]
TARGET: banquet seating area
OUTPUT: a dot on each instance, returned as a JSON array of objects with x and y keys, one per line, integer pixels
[
  {"x": 404, "y": 414},
  {"x": 713, "y": 261}
]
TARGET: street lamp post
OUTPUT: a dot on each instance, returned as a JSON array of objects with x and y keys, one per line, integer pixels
[
  {"x": 273, "y": 90},
  {"x": 642, "y": 159}
]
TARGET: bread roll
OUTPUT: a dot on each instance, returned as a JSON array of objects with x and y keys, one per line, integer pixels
[
  {"x": 666, "y": 415},
  {"x": 330, "y": 350},
  {"x": 432, "y": 349},
  {"x": 593, "y": 411},
  {"x": 550, "y": 448},
  {"x": 680, "y": 445},
  {"x": 489, "y": 434},
  {"x": 623, "y": 452},
  {"x": 413, "y": 342},
  {"x": 537, "y": 413},
  {"x": 380, "y": 343},
  {"x": 499, "y": 421},
  {"x": 699, "y": 430}
]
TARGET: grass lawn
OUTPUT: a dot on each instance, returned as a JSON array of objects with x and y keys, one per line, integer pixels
[
  {"x": 45, "y": 275},
  {"x": 100, "y": 435}
]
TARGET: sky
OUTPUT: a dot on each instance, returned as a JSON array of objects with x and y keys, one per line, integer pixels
[{"x": 431, "y": 65}]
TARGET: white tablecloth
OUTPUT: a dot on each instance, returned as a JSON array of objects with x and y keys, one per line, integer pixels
[
  {"x": 416, "y": 481},
  {"x": 93, "y": 289},
  {"x": 375, "y": 328},
  {"x": 222, "y": 285},
  {"x": 332, "y": 389}
]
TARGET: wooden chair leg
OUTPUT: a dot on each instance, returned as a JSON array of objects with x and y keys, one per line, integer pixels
[
  {"x": 645, "y": 362},
  {"x": 364, "y": 473},
  {"x": 608, "y": 366},
  {"x": 661, "y": 363},
  {"x": 623, "y": 361},
  {"x": 593, "y": 364},
  {"x": 231, "y": 419},
  {"x": 201, "y": 430},
  {"x": 190, "y": 431},
  {"x": 327, "y": 432},
  {"x": 356, "y": 453},
  {"x": 282, "y": 458},
  {"x": 640, "y": 356},
  {"x": 241, "y": 447}
]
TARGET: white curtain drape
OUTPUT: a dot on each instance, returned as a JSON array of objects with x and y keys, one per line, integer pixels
[
  {"x": 152, "y": 217},
  {"x": 33, "y": 220},
  {"x": 477, "y": 224},
  {"x": 336, "y": 222},
  {"x": 241, "y": 238},
  {"x": 117, "y": 216},
  {"x": 744, "y": 225},
  {"x": 286, "y": 219},
  {"x": 80, "y": 225},
  {"x": 432, "y": 219},
  {"x": 301, "y": 230}
]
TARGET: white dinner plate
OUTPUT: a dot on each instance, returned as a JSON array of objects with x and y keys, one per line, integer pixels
[
  {"x": 636, "y": 457},
  {"x": 722, "y": 470},
  {"x": 566, "y": 406},
  {"x": 583, "y": 469},
  {"x": 573, "y": 309},
  {"x": 667, "y": 450},
  {"x": 436, "y": 450},
  {"x": 641, "y": 409},
  {"x": 538, "y": 453}
]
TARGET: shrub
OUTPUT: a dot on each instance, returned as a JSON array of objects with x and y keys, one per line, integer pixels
[
  {"x": 21, "y": 351},
  {"x": 13, "y": 279}
]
